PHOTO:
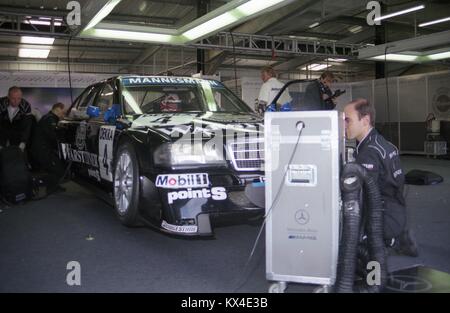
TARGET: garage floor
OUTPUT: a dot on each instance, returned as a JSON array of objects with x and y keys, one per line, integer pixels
[{"x": 38, "y": 239}]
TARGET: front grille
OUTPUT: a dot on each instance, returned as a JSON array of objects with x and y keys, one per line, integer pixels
[{"x": 247, "y": 154}]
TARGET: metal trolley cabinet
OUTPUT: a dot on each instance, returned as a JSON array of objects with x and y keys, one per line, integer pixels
[{"x": 302, "y": 197}]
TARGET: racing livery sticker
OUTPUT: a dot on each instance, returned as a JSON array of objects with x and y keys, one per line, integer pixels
[
  {"x": 179, "y": 228},
  {"x": 80, "y": 137},
  {"x": 105, "y": 149},
  {"x": 94, "y": 173},
  {"x": 216, "y": 193},
  {"x": 167, "y": 80},
  {"x": 79, "y": 156},
  {"x": 182, "y": 181}
]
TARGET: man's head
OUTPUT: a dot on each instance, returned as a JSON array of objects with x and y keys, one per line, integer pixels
[
  {"x": 58, "y": 110},
  {"x": 14, "y": 96},
  {"x": 359, "y": 119},
  {"x": 267, "y": 72},
  {"x": 327, "y": 78}
]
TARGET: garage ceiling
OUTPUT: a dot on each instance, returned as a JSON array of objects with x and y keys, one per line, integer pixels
[{"x": 338, "y": 23}]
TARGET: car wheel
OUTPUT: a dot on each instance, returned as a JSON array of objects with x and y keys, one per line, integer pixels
[{"x": 126, "y": 185}]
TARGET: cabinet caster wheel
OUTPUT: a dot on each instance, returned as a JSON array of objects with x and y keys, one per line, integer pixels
[{"x": 279, "y": 287}]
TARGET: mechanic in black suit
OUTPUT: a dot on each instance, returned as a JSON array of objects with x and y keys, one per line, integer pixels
[
  {"x": 318, "y": 94},
  {"x": 382, "y": 161},
  {"x": 45, "y": 147},
  {"x": 16, "y": 120}
]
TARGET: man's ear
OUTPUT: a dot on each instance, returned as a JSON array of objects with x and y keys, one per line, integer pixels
[{"x": 366, "y": 120}]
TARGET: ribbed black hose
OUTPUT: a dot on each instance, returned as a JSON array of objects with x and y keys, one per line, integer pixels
[
  {"x": 375, "y": 228},
  {"x": 351, "y": 188},
  {"x": 351, "y": 185}
]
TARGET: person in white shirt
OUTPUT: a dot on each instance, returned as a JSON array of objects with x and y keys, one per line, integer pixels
[{"x": 269, "y": 89}]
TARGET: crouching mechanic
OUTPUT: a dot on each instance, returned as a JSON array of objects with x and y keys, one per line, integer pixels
[
  {"x": 382, "y": 161},
  {"x": 45, "y": 147}
]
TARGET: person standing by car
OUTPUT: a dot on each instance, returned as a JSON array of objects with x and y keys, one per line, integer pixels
[
  {"x": 45, "y": 147},
  {"x": 382, "y": 161},
  {"x": 15, "y": 120},
  {"x": 269, "y": 89},
  {"x": 318, "y": 94}
]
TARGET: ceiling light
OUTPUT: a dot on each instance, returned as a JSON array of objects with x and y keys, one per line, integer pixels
[
  {"x": 396, "y": 57},
  {"x": 38, "y": 22},
  {"x": 37, "y": 40},
  {"x": 107, "y": 8},
  {"x": 315, "y": 67},
  {"x": 255, "y": 6},
  {"x": 320, "y": 67},
  {"x": 355, "y": 29},
  {"x": 210, "y": 26},
  {"x": 435, "y": 22},
  {"x": 34, "y": 53},
  {"x": 129, "y": 35},
  {"x": 314, "y": 25},
  {"x": 416, "y": 8},
  {"x": 439, "y": 56},
  {"x": 335, "y": 60}
]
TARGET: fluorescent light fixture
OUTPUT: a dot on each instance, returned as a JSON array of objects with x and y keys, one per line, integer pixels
[
  {"x": 416, "y": 8},
  {"x": 237, "y": 10},
  {"x": 107, "y": 8},
  {"x": 314, "y": 25},
  {"x": 335, "y": 60},
  {"x": 255, "y": 6},
  {"x": 396, "y": 57},
  {"x": 129, "y": 35},
  {"x": 34, "y": 53},
  {"x": 438, "y": 56},
  {"x": 355, "y": 29},
  {"x": 38, "y": 22},
  {"x": 315, "y": 67},
  {"x": 320, "y": 67},
  {"x": 37, "y": 40},
  {"x": 446, "y": 19},
  {"x": 210, "y": 26}
]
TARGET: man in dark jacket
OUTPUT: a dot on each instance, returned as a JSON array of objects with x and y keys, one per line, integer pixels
[
  {"x": 45, "y": 147},
  {"x": 318, "y": 94},
  {"x": 15, "y": 119},
  {"x": 382, "y": 161}
]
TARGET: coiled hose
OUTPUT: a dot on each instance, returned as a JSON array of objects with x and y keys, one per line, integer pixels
[{"x": 353, "y": 178}]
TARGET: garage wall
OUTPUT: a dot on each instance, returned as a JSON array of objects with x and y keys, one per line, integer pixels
[{"x": 47, "y": 80}]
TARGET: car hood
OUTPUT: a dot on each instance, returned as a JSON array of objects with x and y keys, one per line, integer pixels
[{"x": 176, "y": 124}]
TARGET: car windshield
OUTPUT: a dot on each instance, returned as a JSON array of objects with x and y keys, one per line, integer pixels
[{"x": 178, "y": 95}]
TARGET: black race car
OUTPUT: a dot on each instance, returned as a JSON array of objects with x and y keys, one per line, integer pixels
[{"x": 172, "y": 151}]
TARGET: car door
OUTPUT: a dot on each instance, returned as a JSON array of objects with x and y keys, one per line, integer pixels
[
  {"x": 102, "y": 133},
  {"x": 73, "y": 132}
]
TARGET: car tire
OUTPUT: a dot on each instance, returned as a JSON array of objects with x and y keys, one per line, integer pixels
[{"x": 126, "y": 185}]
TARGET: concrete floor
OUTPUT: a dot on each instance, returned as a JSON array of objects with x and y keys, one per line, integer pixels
[{"x": 38, "y": 239}]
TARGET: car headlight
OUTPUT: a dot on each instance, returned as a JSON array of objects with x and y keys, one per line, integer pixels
[{"x": 185, "y": 154}]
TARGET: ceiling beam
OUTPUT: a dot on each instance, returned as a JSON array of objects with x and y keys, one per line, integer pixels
[
  {"x": 146, "y": 54},
  {"x": 255, "y": 26},
  {"x": 141, "y": 19},
  {"x": 73, "y": 47}
]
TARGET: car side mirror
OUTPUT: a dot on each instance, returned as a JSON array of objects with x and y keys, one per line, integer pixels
[
  {"x": 123, "y": 123},
  {"x": 93, "y": 112}
]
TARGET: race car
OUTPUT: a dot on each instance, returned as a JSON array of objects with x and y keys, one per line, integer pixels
[{"x": 173, "y": 152}]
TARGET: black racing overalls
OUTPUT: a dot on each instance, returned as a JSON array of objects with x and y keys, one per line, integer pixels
[{"x": 382, "y": 161}]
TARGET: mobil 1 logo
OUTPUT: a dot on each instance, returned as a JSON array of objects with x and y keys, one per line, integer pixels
[{"x": 176, "y": 181}]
